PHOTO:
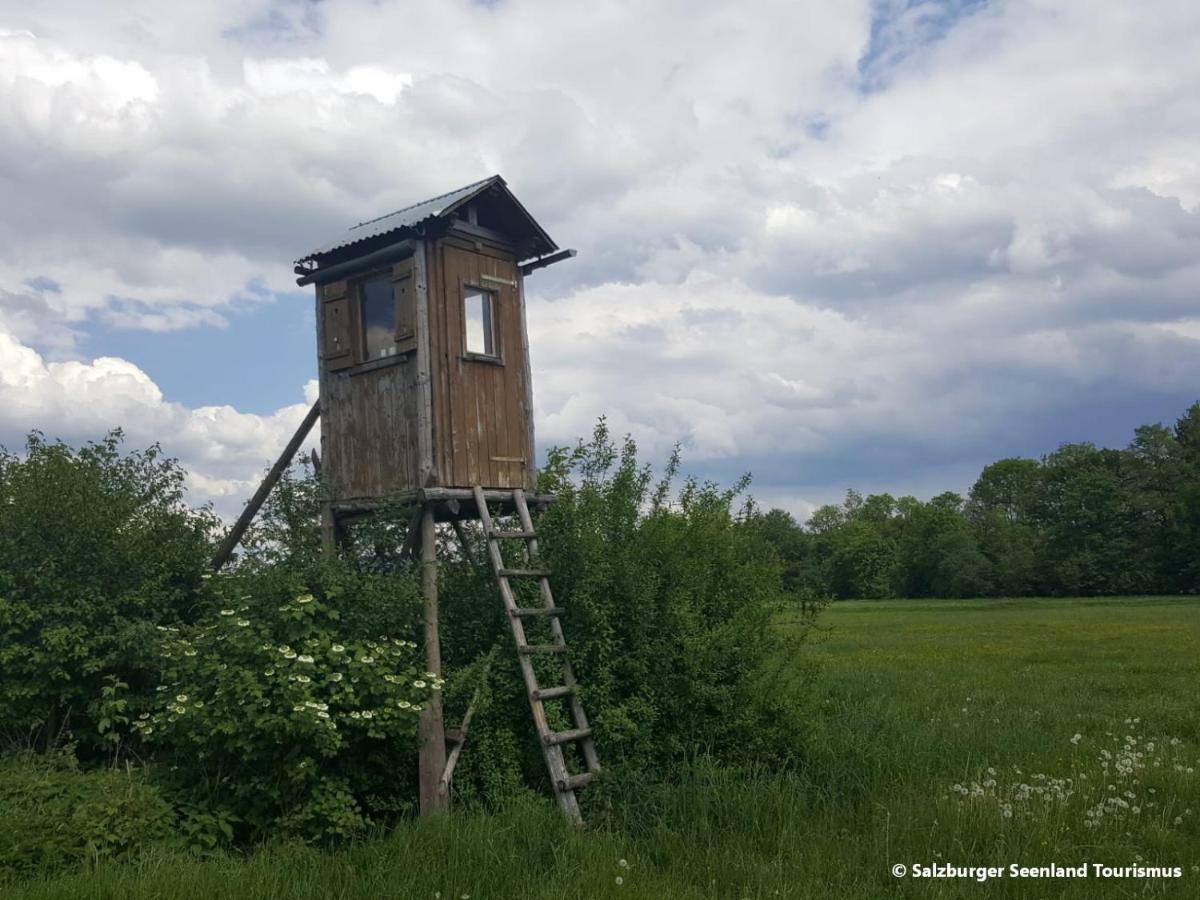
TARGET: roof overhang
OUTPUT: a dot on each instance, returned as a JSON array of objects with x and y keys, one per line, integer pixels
[{"x": 506, "y": 214}]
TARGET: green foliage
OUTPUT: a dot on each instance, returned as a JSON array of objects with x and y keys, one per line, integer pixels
[
  {"x": 274, "y": 717},
  {"x": 1081, "y": 521},
  {"x": 54, "y": 816},
  {"x": 916, "y": 699},
  {"x": 669, "y": 602},
  {"x": 286, "y": 530},
  {"x": 96, "y": 548}
]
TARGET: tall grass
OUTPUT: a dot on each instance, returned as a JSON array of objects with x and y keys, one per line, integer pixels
[{"x": 931, "y": 717}]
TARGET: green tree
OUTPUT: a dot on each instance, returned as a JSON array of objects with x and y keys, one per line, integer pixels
[
  {"x": 937, "y": 554},
  {"x": 97, "y": 547},
  {"x": 1087, "y": 513},
  {"x": 861, "y": 560},
  {"x": 793, "y": 546},
  {"x": 669, "y": 597}
]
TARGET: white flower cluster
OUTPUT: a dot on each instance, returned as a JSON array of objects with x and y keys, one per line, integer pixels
[{"x": 1116, "y": 791}]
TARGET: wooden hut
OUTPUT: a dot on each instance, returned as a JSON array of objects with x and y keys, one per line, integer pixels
[
  {"x": 425, "y": 387},
  {"x": 425, "y": 400}
]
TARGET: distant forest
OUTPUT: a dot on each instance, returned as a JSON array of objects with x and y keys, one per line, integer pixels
[{"x": 1081, "y": 521}]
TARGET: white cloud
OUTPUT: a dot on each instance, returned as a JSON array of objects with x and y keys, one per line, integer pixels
[
  {"x": 798, "y": 239},
  {"x": 225, "y": 451}
]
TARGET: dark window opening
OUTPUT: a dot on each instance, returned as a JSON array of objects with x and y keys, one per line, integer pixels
[{"x": 378, "y": 318}]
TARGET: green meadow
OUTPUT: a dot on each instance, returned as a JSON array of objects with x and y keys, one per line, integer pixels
[{"x": 966, "y": 733}]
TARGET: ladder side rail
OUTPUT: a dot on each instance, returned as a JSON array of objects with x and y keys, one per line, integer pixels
[
  {"x": 587, "y": 745},
  {"x": 555, "y": 761}
]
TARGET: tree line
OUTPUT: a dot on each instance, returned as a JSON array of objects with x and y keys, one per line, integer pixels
[{"x": 1080, "y": 521}]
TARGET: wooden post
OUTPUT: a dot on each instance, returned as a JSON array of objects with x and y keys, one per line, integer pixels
[
  {"x": 281, "y": 464},
  {"x": 462, "y": 539},
  {"x": 329, "y": 531},
  {"x": 431, "y": 761}
]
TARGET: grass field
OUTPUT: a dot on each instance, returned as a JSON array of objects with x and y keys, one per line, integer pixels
[{"x": 979, "y": 733}]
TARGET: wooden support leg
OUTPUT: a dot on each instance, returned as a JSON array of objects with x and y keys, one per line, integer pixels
[
  {"x": 462, "y": 540},
  {"x": 412, "y": 537},
  {"x": 431, "y": 761},
  {"x": 329, "y": 531},
  {"x": 285, "y": 459}
]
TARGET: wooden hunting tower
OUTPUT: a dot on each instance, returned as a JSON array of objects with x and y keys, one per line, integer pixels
[
  {"x": 423, "y": 351},
  {"x": 425, "y": 401}
]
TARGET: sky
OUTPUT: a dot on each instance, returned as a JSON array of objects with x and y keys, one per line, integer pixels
[{"x": 855, "y": 244}]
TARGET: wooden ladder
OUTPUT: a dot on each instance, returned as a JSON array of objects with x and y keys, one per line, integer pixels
[{"x": 562, "y": 781}]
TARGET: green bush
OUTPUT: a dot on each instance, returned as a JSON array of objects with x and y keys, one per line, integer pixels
[
  {"x": 96, "y": 548},
  {"x": 669, "y": 604},
  {"x": 274, "y": 719},
  {"x": 54, "y": 816}
]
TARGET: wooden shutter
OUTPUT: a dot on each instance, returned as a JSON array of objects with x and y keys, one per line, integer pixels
[
  {"x": 406, "y": 305},
  {"x": 337, "y": 350}
]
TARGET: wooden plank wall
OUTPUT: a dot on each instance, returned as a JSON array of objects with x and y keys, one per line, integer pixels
[
  {"x": 369, "y": 432},
  {"x": 482, "y": 431},
  {"x": 369, "y": 439}
]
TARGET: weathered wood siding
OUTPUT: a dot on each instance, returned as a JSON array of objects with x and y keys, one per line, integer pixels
[
  {"x": 369, "y": 441},
  {"x": 482, "y": 423},
  {"x": 478, "y": 429},
  {"x": 369, "y": 432}
]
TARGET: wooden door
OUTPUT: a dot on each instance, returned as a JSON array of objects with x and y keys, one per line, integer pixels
[{"x": 481, "y": 423}]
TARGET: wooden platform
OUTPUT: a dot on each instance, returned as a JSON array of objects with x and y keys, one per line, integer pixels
[{"x": 450, "y": 504}]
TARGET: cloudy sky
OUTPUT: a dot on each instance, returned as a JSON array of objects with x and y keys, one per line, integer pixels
[{"x": 872, "y": 244}]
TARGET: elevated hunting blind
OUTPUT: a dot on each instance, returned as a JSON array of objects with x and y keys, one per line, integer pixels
[
  {"x": 423, "y": 349},
  {"x": 426, "y": 402}
]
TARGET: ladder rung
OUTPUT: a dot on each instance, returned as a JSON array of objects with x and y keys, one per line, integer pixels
[
  {"x": 562, "y": 737},
  {"x": 524, "y": 573},
  {"x": 575, "y": 781},
  {"x": 512, "y": 535},
  {"x": 554, "y": 692},
  {"x": 533, "y": 649},
  {"x": 524, "y": 611}
]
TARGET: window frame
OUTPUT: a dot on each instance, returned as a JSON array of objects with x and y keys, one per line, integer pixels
[
  {"x": 495, "y": 358},
  {"x": 404, "y": 338},
  {"x": 360, "y": 293}
]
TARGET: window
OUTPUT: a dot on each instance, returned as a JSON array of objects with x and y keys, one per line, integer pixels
[
  {"x": 378, "y": 318},
  {"x": 480, "y": 323}
]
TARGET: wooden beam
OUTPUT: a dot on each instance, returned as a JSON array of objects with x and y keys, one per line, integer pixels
[
  {"x": 452, "y": 759},
  {"x": 462, "y": 539},
  {"x": 352, "y": 266},
  {"x": 542, "y": 261},
  {"x": 431, "y": 730},
  {"x": 329, "y": 531},
  {"x": 239, "y": 527},
  {"x": 425, "y": 463},
  {"x": 412, "y": 537},
  {"x": 529, "y": 476}
]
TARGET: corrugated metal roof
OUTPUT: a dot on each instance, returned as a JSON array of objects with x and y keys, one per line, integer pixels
[{"x": 407, "y": 217}]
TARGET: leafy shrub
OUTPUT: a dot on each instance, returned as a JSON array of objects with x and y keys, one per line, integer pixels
[
  {"x": 96, "y": 548},
  {"x": 53, "y": 816},
  {"x": 274, "y": 717},
  {"x": 669, "y": 605}
]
